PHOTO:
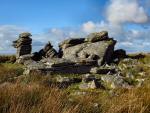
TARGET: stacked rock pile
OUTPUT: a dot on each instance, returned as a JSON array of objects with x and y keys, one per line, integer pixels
[
  {"x": 23, "y": 44},
  {"x": 47, "y": 52},
  {"x": 75, "y": 55}
]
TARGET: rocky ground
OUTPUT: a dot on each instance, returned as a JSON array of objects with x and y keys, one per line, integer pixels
[{"x": 120, "y": 87}]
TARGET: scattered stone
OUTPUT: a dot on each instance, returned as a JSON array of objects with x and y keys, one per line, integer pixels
[
  {"x": 88, "y": 77},
  {"x": 140, "y": 82},
  {"x": 112, "y": 82},
  {"x": 63, "y": 79},
  {"x": 84, "y": 86},
  {"x": 101, "y": 70},
  {"x": 78, "y": 93},
  {"x": 24, "y": 58},
  {"x": 93, "y": 84},
  {"x": 90, "y": 85}
]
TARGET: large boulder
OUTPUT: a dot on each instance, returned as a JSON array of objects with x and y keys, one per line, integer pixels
[{"x": 100, "y": 51}]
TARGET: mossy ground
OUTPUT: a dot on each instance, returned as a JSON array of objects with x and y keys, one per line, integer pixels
[{"x": 33, "y": 94}]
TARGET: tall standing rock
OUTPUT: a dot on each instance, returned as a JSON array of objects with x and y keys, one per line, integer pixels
[{"x": 23, "y": 44}]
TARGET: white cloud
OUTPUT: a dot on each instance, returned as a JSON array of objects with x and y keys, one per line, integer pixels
[
  {"x": 89, "y": 26},
  {"x": 126, "y": 44},
  {"x": 122, "y": 11}
]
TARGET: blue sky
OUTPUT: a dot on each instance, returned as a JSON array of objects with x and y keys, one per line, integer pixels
[
  {"x": 127, "y": 21},
  {"x": 41, "y": 14}
]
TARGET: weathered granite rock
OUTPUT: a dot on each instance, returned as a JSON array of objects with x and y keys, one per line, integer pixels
[
  {"x": 102, "y": 50},
  {"x": 68, "y": 43},
  {"x": 90, "y": 85},
  {"x": 76, "y": 56},
  {"x": 23, "y": 44},
  {"x": 34, "y": 67},
  {"x": 58, "y": 66},
  {"x": 57, "y": 62},
  {"x": 22, "y": 59},
  {"x": 98, "y": 36},
  {"x": 112, "y": 82},
  {"x": 72, "y": 69},
  {"x": 88, "y": 77},
  {"x": 61, "y": 79},
  {"x": 47, "y": 52},
  {"x": 23, "y": 50},
  {"x": 71, "y": 42},
  {"x": 25, "y": 34},
  {"x": 102, "y": 70}
]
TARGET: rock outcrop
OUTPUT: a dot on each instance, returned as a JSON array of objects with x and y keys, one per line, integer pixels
[
  {"x": 23, "y": 44},
  {"x": 75, "y": 56},
  {"x": 93, "y": 56}
]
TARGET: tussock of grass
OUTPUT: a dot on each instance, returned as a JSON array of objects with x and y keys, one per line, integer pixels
[
  {"x": 9, "y": 71},
  {"x": 36, "y": 99}
]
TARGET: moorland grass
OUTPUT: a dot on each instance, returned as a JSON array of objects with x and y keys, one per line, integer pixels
[{"x": 29, "y": 94}]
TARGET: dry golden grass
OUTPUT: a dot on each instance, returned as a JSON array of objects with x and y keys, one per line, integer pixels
[
  {"x": 34, "y": 98},
  {"x": 30, "y": 95},
  {"x": 136, "y": 100}
]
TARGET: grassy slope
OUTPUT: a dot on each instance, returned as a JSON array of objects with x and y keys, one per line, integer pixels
[{"x": 32, "y": 94}]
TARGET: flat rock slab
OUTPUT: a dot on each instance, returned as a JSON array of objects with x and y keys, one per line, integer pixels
[{"x": 40, "y": 67}]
